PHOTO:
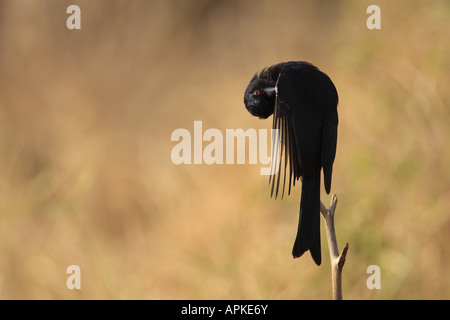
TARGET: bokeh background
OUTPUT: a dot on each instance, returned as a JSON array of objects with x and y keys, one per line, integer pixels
[{"x": 86, "y": 177}]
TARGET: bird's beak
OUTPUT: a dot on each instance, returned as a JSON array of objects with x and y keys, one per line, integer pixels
[{"x": 270, "y": 90}]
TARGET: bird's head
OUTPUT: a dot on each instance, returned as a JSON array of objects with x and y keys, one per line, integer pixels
[{"x": 259, "y": 97}]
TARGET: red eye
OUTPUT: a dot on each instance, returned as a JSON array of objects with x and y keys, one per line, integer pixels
[{"x": 256, "y": 92}]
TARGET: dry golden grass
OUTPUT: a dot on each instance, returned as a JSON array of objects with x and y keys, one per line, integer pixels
[{"x": 86, "y": 176}]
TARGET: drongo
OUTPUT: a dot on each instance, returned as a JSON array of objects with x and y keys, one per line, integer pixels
[{"x": 303, "y": 101}]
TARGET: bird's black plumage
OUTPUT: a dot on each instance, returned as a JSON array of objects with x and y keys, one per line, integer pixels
[{"x": 303, "y": 101}]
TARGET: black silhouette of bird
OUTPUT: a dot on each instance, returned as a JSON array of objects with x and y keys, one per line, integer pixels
[{"x": 303, "y": 101}]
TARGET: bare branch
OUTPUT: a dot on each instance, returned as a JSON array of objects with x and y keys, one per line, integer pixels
[{"x": 337, "y": 260}]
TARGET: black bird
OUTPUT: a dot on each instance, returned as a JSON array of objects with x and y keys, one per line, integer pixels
[{"x": 303, "y": 101}]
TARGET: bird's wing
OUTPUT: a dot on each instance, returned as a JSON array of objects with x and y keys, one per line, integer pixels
[
  {"x": 307, "y": 130},
  {"x": 286, "y": 154},
  {"x": 284, "y": 151}
]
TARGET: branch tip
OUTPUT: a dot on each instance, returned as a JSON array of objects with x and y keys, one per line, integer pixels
[{"x": 343, "y": 256}]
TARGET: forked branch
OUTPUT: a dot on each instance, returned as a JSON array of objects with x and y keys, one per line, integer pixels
[{"x": 337, "y": 260}]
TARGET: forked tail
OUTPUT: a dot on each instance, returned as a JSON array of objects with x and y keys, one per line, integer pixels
[{"x": 308, "y": 234}]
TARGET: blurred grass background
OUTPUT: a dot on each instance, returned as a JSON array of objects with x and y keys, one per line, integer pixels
[{"x": 86, "y": 176}]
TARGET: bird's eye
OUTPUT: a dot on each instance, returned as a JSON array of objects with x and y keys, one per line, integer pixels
[{"x": 256, "y": 92}]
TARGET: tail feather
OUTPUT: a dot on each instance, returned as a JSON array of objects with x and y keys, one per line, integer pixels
[{"x": 308, "y": 234}]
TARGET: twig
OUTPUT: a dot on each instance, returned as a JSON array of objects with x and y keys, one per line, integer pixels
[{"x": 337, "y": 260}]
